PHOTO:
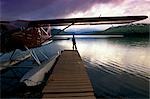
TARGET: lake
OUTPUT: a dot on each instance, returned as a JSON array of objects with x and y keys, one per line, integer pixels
[{"x": 117, "y": 66}]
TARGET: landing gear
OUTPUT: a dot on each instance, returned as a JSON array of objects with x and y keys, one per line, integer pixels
[
  {"x": 35, "y": 56},
  {"x": 12, "y": 56}
]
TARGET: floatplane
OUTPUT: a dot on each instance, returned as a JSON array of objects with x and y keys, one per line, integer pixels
[{"x": 29, "y": 34}]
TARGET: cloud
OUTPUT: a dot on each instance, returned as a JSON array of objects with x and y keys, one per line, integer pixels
[
  {"x": 50, "y": 9},
  {"x": 39, "y": 9},
  {"x": 124, "y": 8}
]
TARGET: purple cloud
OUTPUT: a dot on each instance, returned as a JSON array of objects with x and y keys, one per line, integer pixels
[{"x": 43, "y": 9}]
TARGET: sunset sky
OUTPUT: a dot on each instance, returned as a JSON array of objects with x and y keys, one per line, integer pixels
[{"x": 51, "y": 9}]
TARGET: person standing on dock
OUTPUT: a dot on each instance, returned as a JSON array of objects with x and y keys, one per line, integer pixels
[{"x": 74, "y": 47}]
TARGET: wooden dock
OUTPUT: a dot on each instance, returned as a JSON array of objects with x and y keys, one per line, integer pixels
[{"x": 69, "y": 79}]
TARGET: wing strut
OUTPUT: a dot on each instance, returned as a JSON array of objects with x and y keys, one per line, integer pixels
[
  {"x": 64, "y": 29},
  {"x": 12, "y": 55},
  {"x": 33, "y": 54}
]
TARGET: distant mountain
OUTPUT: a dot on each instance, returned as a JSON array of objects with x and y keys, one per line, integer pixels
[
  {"x": 59, "y": 32},
  {"x": 128, "y": 30},
  {"x": 87, "y": 33},
  {"x": 84, "y": 30}
]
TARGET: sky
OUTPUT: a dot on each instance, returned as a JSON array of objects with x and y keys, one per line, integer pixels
[{"x": 52, "y": 9}]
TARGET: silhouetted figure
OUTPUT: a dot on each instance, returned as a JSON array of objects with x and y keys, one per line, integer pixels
[{"x": 74, "y": 47}]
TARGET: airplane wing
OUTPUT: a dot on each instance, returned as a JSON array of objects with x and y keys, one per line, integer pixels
[
  {"x": 86, "y": 21},
  {"x": 76, "y": 21}
]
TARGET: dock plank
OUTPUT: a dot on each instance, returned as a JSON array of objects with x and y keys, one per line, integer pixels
[
  {"x": 69, "y": 79},
  {"x": 70, "y": 94}
]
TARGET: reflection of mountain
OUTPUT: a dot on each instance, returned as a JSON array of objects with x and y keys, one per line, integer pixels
[{"x": 128, "y": 30}]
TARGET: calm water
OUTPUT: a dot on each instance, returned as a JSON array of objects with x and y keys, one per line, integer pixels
[{"x": 117, "y": 67}]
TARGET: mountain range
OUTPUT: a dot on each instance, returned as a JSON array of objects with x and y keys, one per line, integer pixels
[{"x": 127, "y": 30}]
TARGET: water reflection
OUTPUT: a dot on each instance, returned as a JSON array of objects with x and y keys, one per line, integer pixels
[
  {"x": 127, "y": 56},
  {"x": 118, "y": 67}
]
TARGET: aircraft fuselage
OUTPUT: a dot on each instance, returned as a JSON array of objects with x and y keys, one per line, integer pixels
[{"x": 17, "y": 39}]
